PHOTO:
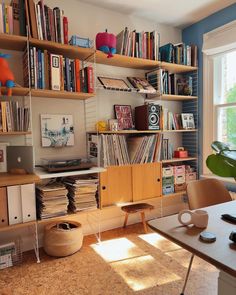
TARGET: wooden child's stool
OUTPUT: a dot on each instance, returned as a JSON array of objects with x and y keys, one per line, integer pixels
[{"x": 134, "y": 208}]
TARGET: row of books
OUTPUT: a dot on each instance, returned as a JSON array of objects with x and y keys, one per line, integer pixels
[
  {"x": 13, "y": 117},
  {"x": 46, "y": 23},
  {"x": 138, "y": 44},
  {"x": 12, "y": 18},
  {"x": 167, "y": 83},
  {"x": 179, "y": 54},
  {"x": 55, "y": 72}
]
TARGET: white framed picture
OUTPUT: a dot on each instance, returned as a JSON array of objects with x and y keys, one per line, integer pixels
[
  {"x": 187, "y": 121},
  {"x": 3, "y": 156},
  {"x": 57, "y": 130}
]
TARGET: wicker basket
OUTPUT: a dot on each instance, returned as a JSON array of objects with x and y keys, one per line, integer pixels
[{"x": 62, "y": 238}]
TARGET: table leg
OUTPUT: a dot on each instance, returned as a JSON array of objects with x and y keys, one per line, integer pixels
[{"x": 226, "y": 284}]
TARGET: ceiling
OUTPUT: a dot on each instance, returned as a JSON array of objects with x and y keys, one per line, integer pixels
[{"x": 178, "y": 13}]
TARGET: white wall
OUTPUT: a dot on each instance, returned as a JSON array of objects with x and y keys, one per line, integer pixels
[{"x": 86, "y": 20}]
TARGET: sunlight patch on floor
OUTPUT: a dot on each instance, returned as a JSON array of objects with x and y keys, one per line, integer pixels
[
  {"x": 117, "y": 249},
  {"x": 159, "y": 242},
  {"x": 143, "y": 272}
]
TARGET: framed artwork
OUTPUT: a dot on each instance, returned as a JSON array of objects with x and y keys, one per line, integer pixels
[
  {"x": 57, "y": 130},
  {"x": 187, "y": 121},
  {"x": 114, "y": 84},
  {"x": 141, "y": 84},
  {"x": 123, "y": 114},
  {"x": 3, "y": 156}
]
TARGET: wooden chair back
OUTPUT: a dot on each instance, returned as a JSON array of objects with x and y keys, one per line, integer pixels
[{"x": 206, "y": 192}]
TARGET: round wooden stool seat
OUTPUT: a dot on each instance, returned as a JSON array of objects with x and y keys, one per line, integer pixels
[{"x": 135, "y": 208}]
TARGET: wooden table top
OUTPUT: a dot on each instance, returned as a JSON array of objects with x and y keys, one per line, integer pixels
[{"x": 221, "y": 253}]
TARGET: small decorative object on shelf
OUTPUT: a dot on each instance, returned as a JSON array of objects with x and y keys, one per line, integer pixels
[
  {"x": 107, "y": 43},
  {"x": 180, "y": 153},
  {"x": 113, "y": 124},
  {"x": 6, "y": 75},
  {"x": 101, "y": 126},
  {"x": 81, "y": 42}
]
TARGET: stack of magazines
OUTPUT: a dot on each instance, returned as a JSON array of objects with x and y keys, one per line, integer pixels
[
  {"x": 51, "y": 200},
  {"x": 82, "y": 193}
]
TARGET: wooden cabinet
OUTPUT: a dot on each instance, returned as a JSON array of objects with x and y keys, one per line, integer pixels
[
  {"x": 116, "y": 185},
  {"x": 130, "y": 183},
  {"x": 146, "y": 181}
]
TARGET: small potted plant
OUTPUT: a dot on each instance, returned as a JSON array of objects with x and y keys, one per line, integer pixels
[{"x": 223, "y": 161}]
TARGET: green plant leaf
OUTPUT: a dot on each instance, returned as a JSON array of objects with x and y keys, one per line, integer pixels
[
  {"x": 219, "y": 146},
  {"x": 229, "y": 154},
  {"x": 221, "y": 165}
]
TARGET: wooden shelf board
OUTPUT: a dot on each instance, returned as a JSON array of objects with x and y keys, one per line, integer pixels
[
  {"x": 174, "y": 194},
  {"x": 63, "y": 49},
  {"x": 13, "y": 42},
  {"x": 179, "y": 160},
  {"x": 180, "y": 130},
  {"x": 126, "y": 61},
  {"x": 128, "y": 131},
  {"x": 15, "y": 133},
  {"x": 177, "y": 97},
  {"x": 16, "y": 226},
  {"x": 7, "y": 179},
  {"x": 176, "y": 68},
  {"x": 16, "y": 91},
  {"x": 60, "y": 94},
  {"x": 42, "y": 174}
]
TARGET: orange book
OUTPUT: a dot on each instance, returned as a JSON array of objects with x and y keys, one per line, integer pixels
[
  {"x": 3, "y": 207},
  {"x": 77, "y": 76},
  {"x": 4, "y": 116}
]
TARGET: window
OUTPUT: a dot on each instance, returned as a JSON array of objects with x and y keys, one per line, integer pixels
[
  {"x": 224, "y": 97},
  {"x": 219, "y": 90}
]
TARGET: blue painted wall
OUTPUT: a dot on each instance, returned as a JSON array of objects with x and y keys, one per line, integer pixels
[{"x": 194, "y": 35}]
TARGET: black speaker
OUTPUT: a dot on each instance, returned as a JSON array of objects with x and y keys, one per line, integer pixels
[{"x": 147, "y": 117}]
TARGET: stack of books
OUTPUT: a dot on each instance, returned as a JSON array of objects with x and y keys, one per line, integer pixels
[
  {"x": 13, "y": 18},
  {"x": 138, "y": 44},
  {"x": 46, "y": 23},
  {"x": 13, "y": 117},
  {"x": 55, "y": 72},
  {"x": 179, "y": 53},
  {"x": 82, "y": 193},
  {"x": 51, "y": 200}
]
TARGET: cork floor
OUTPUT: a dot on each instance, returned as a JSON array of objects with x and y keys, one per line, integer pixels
[{"x": 126, "y": 262}]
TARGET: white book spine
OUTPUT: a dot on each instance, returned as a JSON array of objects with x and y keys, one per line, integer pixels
[{"x": 55, "y": 72}]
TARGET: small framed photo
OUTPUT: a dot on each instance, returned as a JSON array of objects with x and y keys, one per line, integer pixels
[
  {"x": 187, "y": 121},
  {"x": 123, "y": 114},
  {"x": 113, "y": 124},
  {"x": 114, "y": 84}
]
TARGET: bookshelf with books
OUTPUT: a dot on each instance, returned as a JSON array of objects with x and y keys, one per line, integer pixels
[{"x": 181, "y": 92}]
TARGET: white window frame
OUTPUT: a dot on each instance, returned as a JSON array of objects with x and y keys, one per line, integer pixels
[{"x": 218, "y": 41}]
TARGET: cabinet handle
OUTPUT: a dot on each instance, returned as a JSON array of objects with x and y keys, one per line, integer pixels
[
  {"x": 103, "y": 187},
  {"x": 158, "y": 180}
]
